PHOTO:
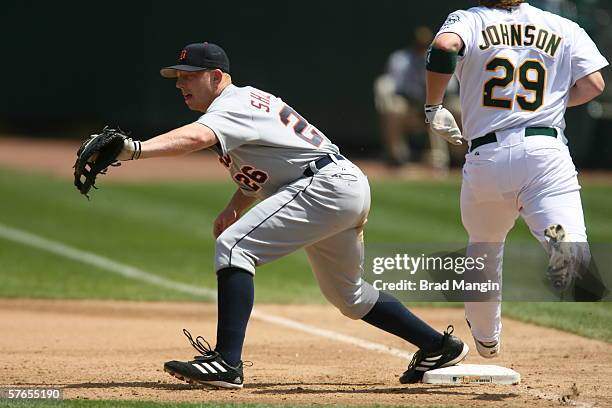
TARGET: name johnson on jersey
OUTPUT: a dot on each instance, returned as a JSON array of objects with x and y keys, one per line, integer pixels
[{"x": 520, "y": 35}]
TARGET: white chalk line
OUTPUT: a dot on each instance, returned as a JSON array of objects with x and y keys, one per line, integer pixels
[{"x": 130, "y": 272}]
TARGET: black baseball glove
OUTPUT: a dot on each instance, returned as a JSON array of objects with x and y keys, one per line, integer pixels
[{"x": 95, "y": 155}]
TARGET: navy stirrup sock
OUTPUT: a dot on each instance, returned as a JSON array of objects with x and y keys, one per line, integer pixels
[
  {"x": 390, "y": 315},
  {"x": 236, "y": 292}
]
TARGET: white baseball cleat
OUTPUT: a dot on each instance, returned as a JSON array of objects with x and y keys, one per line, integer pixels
[{"x": 488, "y": 349}]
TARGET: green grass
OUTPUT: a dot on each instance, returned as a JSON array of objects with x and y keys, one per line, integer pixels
[
  {"x": 165, "y": 229},
  {"x": 592, "y": 320}
]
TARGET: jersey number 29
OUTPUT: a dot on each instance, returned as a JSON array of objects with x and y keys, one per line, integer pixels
[{"x": 534, "y": 84}]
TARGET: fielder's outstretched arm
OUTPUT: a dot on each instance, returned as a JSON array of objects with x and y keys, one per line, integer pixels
[{"x": 177, "y": 142}]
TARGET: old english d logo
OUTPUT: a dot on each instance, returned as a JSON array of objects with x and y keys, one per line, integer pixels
[{"x": 183, "y": 55}]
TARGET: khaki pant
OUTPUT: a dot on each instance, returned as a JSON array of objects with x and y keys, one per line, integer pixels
[{"x": 400, "y": 117}]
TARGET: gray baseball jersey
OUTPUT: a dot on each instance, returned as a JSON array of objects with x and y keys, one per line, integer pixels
[
  {"x": 263, "y": 141},
  {"x": 267, "y": 146}
]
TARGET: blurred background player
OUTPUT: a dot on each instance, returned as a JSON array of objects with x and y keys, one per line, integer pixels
[{"x": 399, "y": 95}]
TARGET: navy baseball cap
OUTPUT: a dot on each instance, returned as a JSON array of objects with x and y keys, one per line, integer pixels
[{"x": 198, "y": 57}]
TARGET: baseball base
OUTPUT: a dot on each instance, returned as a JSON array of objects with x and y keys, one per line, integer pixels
[{"x": 472, "y": 374}]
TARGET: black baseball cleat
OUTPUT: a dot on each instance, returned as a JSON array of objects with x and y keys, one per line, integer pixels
[
  {"x": 453, "y": 351},
  {"x": 207, "y": 369}
]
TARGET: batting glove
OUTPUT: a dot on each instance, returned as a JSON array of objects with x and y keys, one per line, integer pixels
[{"x": 443, "y": 123}]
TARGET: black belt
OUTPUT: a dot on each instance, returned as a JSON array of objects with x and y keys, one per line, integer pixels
[
  {"x": 322, "y": 162},
  {"x": 530, "y": 131}
]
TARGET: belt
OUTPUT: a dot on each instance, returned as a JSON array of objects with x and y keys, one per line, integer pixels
[
  {"x": 320, "y": 163},
  {"x": 530, "y": 131}
]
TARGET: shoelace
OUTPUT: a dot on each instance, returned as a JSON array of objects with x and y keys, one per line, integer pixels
[
  {"x": 200, "y": 344},
  {"x": 449, "y": 330},
  {"x": 204, "y": 347},
  {"x": 418, "y": 356},
  {"x": 415, "y": 358}
]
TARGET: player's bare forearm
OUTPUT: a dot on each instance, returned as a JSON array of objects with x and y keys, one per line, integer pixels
[
  {"x": 232, "y": 212},
  {"x": 178, "y": 142},
  {"x": 586, "y": 89},
  {"x": 240, "y": 201},
  {"x": 436, "y": 87}
]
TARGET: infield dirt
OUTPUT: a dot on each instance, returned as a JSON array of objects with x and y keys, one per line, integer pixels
[{"x": 116, "y": 350}]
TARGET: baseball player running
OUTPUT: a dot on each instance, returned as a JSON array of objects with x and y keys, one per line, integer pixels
[
  {"x": 519, "y": 68},
  {"x": 305, "y": 195}
]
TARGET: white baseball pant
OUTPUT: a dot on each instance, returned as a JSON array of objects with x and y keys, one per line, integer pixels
[{"x": 533, "y": 177}]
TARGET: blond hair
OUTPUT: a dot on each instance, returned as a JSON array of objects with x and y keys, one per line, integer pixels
[{"x": 505, "y": 4}]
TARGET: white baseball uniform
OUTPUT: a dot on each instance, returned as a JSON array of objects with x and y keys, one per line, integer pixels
[
  {"x": 267, "y": 146},
  {"x": 515, "y": 73}
]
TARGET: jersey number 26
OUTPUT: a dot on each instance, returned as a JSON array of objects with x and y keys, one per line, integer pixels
[{"x": 533, "y": 82}]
